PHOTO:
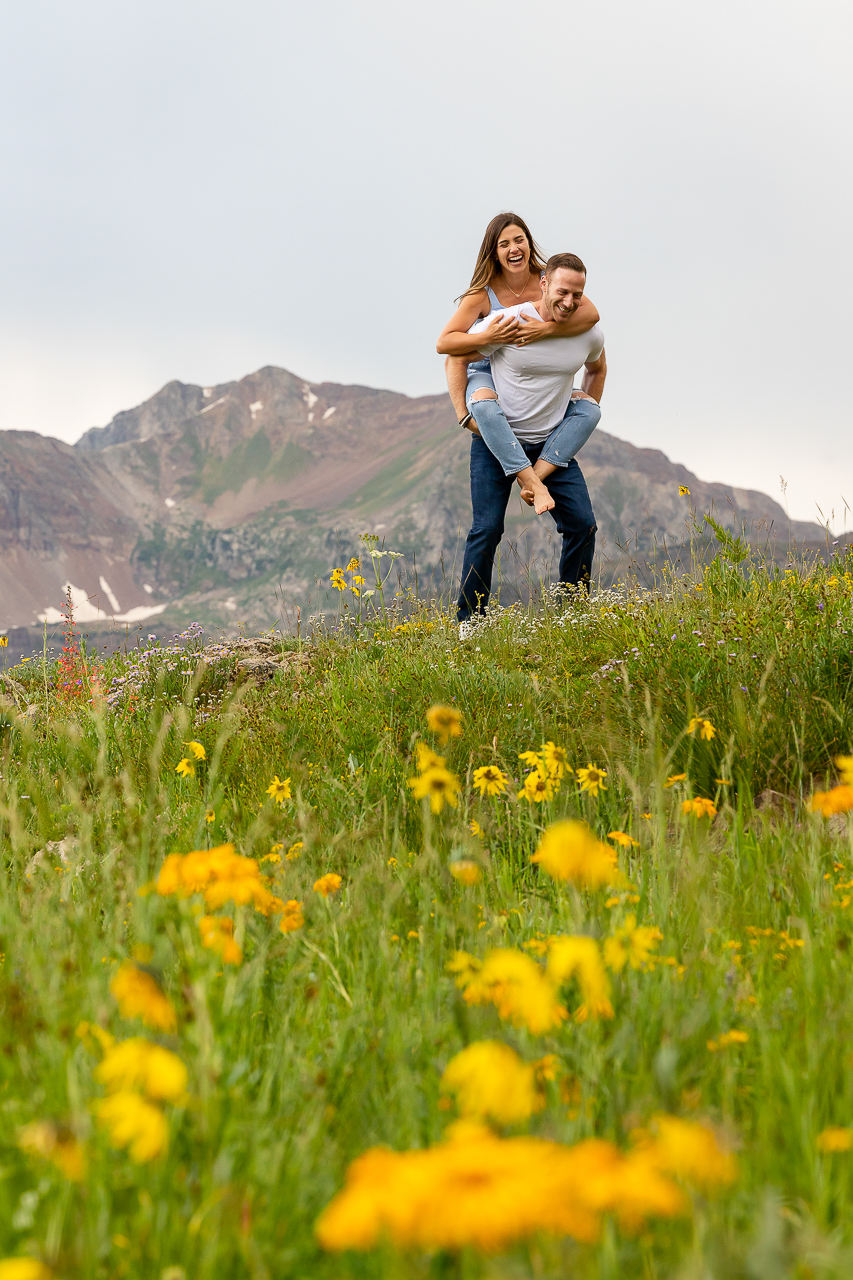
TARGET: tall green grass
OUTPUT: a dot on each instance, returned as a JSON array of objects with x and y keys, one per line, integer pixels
[{"x": 332, "y": 1039}]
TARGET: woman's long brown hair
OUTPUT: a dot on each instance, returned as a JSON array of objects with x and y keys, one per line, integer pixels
[{"x": 487, "y": 259}]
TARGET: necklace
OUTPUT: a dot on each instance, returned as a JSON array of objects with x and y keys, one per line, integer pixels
[{"x": 521, "y": 291}]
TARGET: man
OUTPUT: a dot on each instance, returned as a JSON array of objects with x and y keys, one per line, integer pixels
[{"x": 534, "y": 385}]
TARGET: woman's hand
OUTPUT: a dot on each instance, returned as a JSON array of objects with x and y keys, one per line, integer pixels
[
  {"x": 533, "y": 330},
  {"x": 502, "y": 331}
]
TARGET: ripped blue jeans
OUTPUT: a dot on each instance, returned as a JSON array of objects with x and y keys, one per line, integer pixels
[{"x": 566, "y": 439}]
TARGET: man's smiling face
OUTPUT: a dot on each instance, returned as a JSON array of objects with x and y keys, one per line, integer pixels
[{"x": 561, "y": 293}]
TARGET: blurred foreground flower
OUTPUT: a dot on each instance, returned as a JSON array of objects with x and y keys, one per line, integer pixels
[
  {"x": 56, "y": 1143},
  {"x": 292, "y": 918},
  {"x": 133, "y": 1123},
  {"x": 699, "y": 807},
  {"x": 437, "y": 785},
  {"x": 569, "y": 851},
  {"x": 220, "y": 874},
  {"x": 480, "y": 1191},
  {"x": 688, "y": 1150},
  {"x": 580, "y": 957},
  {"x": 217, "y": 935},
  {"x": 673, "y": 778},
  {"x": 622, "y": 839},
  {"x": 835, "y": 1140},
  {"x": 446, "y": 722},
  {"x": 514, "y": 984},
  {"x": 726, "y": 1039},
  {"x": 706, "y": 729},
  {"x": 327, "y": 884},
  {"x": 139, "y": 1064},
  {"x": 844, "y": 765},
  {"x": 490, "y": 1081},
  {"x": 631, "y": 945},
  {"x": 138, "y": 995},
  {"x": 23, "y": 1269},
  {"x": 466, "y": 871},
  {"x": 196, "y": 749},
  {"x": 838, "y": 800}
]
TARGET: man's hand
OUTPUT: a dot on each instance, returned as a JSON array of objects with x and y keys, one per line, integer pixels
[{"x": 503, "y": 330}]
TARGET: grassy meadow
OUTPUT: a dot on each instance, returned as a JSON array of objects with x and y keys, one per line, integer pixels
[{"x": 559, "y": 915}]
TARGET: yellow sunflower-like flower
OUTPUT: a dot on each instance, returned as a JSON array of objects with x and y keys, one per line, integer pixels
[
  {"x": 489, "y": 780},
  {"x": 437, "y": 785},
  {"x": 329, "y": 883},
  {"x": 490, "y": 1081},
  {"x": 538, "y": 788},
  {"x": 844, "y": 764},
  {"x": 622, "y": 839},
  {"x": 706, "y": 729},
  {"x": 278, "y": 790},
  {"x": 138, "y": 995},
  {"x": 217, "y": 935},
  {"x": 673, "y": 779},
  {"x": 556, "y": 760},
  {"x": 683, "y": 491},
  {"x": 353, "y": 565},
  {"x": 591, "y": 779},
  {"x": 185, "y": 768},
  {"x": 517, "y": 987},
  {"x": 337, "y": 580},
  {"x": 138, "y": 1064},
  {"x": 133, "y": 1123},
  {"x": 699, "y": 807},
  {"x": 427, "y": 758},
  {"x": 56, "y": 1143},
  {"x": 466, "y": 871},
  {"x": 838, "y": 800},
  {"x": 209, "y": 816},
  {"x": 196, "y": 749},
  {"x": 631, "y": 944},
  {"x": 446, "y": 722},
  {"x": 569, "y": 851},
  {"x": 580, "y": 957},
  {"x": 292, "y": 918}
]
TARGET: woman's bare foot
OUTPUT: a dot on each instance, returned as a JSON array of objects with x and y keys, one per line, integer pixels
[{"x": 535, "y": 494}]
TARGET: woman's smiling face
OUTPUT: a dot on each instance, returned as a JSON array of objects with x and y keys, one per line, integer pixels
[{"x": 512, "y": 248}]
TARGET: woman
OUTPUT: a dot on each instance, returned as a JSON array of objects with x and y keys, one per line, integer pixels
[{"x": 508, "y": 271}]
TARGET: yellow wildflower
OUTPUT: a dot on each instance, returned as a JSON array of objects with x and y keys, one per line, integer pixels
[
  {"x": 569, "y": 851},
  {"x": 489, "y": 780},
  {"x": 278, "y": 790},
  {"x": 622, "y": 839},
  {"x": 358, "y": 581},
  {"x": 538, "y": 788},
  {"x": 427, "y": 758},
  {"x": 217, "y": 935},
  {"x": 465, "y": 870},
  {"x": 516, "y": 986},
  {"x": 353, "y": 565},
  {"x": 480, "y": 1191},
  {"x": 835, "y": 1140},
  {"x": 56, "y": 1143},
  {"x": 438, "y": 785},
  {"x": 327, "y": 884},
  {"x": 337, "y": 580},
  {"x": 555, "y": 760},
  {"x": 534, "y": 760},
  {"x": 475, "y": 828},
  {"x": 631, "y": 945},
  {"x": 706, "y": 729},
  {"x": 723, "y": 782},
  {"x": 295, "y": 850},
  {"x": 209, "y": 816},
  {"x": 88, "y": 1031},
  {"x": 197, "y": 750},
  {"x": 580, "y": 957},
  {"x": 673, "y": 778},
  {"x": 491, "y": 1082},
  {"x": 690, "y": 1151},
  {"x": 445, "y": 721},
  {"x": 138, "y": 995},
  {"x": 292, "y": 918},
  {"x": 23, "y": 1268},
  {"x": 185, "y": 768},
  {"x": 727, "y": 1038},
  {"x": 684, "y": 492},
  {"x": 699, "y": 807},
  {"x": 139, "y": 1064},
  {"x": 133, "y": 1123},
  {"x": 591, "y": 779},
  {"x": 838, "y": 800},
  {"x": 844, "y": 765}
]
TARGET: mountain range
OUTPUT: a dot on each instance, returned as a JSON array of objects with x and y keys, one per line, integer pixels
[{"x": 230, "y": 503}]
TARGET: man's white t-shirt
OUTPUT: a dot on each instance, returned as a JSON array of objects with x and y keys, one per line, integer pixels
[{"x": 534, "y": 383}]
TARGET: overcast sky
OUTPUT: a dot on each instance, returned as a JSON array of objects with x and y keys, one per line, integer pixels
[{"x": 193, "y": 190}]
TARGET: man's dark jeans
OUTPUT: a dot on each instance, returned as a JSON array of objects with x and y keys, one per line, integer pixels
[{"x": 490, "y": 492}]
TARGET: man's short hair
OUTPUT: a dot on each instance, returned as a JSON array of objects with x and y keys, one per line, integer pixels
[{"x": 570, "y": 261}]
